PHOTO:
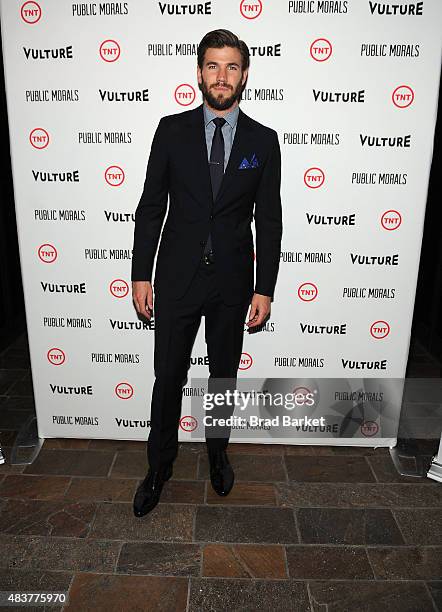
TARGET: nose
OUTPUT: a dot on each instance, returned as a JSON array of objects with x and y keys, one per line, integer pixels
[{"x": 222, "y": 74}]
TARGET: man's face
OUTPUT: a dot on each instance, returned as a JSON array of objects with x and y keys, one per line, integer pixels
[{"x": 221, "y": 78}]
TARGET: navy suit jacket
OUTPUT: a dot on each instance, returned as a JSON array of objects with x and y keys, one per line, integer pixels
[{"x": 178, "y": 168}]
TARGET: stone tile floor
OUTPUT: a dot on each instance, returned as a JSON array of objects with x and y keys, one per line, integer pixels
[{"x": 318, "y": 529}]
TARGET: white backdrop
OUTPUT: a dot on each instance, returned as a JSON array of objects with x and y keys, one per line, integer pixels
[{"x": 351, "y": 88}]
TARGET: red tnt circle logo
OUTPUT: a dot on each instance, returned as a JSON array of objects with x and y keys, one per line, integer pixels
[
  {"x": 188, "y": 423},
  {"x": 110, "y": 50},
  {"x": 300, "y": 394},
  {"x": 402, "y": 96},
  {"x": 39, "y": 138},
  {"x": 250, "y": 9},
  {"x": 369, "y": 429},
  {"x": 114, "y": 176},
  {"x": 391, "y": 220},
  {"x": 314, "y": 178},
  {"x": 379, "y": 329},
  {"x": 119, "y": 288},
  {"x": 30, "y": 12},
  {"x": 321, "y": 49},
  {"x": 47, "y": 253},
  {"x": 56, "y": 356},
  {"x": 307, "y": 292},
  {"x": 245, "y": 362},
  {"x": 124, "y": 390},
  {"x": 184, "y": 94}
]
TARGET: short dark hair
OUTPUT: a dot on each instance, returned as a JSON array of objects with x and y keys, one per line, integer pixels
[{"x": 223, "y": 38}]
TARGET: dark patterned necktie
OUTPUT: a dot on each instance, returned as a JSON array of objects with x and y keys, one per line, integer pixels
[{"x": 216, "y": 165}]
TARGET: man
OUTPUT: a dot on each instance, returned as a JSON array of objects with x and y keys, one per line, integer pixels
[{"x": 214, "y": 162}]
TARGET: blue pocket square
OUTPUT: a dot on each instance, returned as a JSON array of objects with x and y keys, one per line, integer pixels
[{"x": 246, "y": 164}]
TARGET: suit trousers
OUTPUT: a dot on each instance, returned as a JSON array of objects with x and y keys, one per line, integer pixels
[{"x": 176, "y": 326}]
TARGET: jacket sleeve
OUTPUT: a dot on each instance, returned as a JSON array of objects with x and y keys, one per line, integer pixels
[
  {"x": 151, "y": 209},
  {"x": 268, "y": 222}
]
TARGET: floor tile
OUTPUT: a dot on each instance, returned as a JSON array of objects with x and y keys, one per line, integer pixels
[
  {"x": 348, "y": 526},
  {"x": 328, "y": 469},
  {"x": 219, "y": 595},
  {"x": 96, "y": 592},
  {"x": 51, "y": 518},
  {"x": 435, "y": 589},
  {"x": 167, "y": 559},
  {"x": 58, "y": 554},
  {"x": 244, "y": 561},
  {"x": 71, "y": 463},
  {"x": 34, "y": 487},
  {"x": 371, "y": 596},
  {"x": 328, "y": 562},
  {"x": 264, "y": 468},
  {"x": 101, "y": 489},
  {"x": 418, "y": 563},
  {"x": 359, "y": 495},
  {"x": 66, "y": 443},
  {"x": 245, "y": 524},
  {"x": 183, "y": 492},
  {"x": 129, "y": 465},
  {"x": 245, "y": 494},
  {"x": 420, "y": 527},
  {"x": 166, "y": 523}
]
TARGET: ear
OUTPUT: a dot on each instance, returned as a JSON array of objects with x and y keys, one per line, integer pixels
[
  {"x": 245, "y": 74},
  {"x": 198, "y": 74}
]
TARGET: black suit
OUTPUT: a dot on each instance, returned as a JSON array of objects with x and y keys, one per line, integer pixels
[{"x": 178, "y": 167}]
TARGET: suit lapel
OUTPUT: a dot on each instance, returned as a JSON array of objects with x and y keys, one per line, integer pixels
[
  {"x": 197, "y": 154},
  {"x": 238, "y": 147}
]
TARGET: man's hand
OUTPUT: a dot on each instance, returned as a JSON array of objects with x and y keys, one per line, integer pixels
[
  {"x": 142, "y": 295},
  {"x": 259, "y": 309}
]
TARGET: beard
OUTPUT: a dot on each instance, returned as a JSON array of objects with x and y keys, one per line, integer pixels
[{"x": 219, "y": 102}]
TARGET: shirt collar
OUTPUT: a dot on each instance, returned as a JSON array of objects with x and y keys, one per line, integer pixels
[{"x": 231, "y": 117}]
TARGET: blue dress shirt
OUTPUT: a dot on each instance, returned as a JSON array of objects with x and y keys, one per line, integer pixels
[{"x": 228, "y": 130}]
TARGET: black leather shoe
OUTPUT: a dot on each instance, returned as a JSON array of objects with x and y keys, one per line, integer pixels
[
  {"x": 221, "y": 472},
  {"x": 148, "y": 493}
]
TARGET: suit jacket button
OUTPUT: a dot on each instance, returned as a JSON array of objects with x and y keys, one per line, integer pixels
[{"x": 211, "y": 216}]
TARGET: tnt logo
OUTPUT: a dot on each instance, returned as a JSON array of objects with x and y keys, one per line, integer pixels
[
  {"x": 307, "y": 292},
  {"x": 321, "y": 49},
  {"x": 119, "y": 288},
  {"x": 314, "y": 178},
  {"x": 110, "y": 50},
  {"x": 114, "y": 176},
  {"x": 245, "y": 361},
  {"x": 402, "y": 96},
  {"x": 47, "y": 253},
  {"x": 188, "y": 423},
  {"x": 369, "y": 429},
  {"x": 30, "y": 12},
  {"x": 391, "y": 220},
  {"x": 39, "y": 138},
  {"x": 184, "y": 94},
  {"x": 124, "y": 390},
  {"x": 379, "y": 329},
  {"x": 56, "y": 356},
  {"x": 301, "y": 398},
  {"x": 250, "y": 9}
]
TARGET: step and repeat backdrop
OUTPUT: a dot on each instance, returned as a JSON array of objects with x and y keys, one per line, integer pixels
[{"x": 351, "y": 87}]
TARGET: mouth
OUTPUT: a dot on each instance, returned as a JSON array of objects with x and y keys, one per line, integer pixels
[{"x": 221, "y": 87}]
